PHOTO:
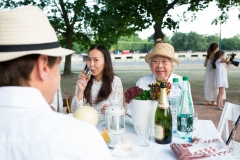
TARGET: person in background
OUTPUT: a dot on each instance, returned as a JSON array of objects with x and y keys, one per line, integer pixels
[
  {"x": 30, "y": 57},
  {"x": 210, "y": 91},
  {"x": 219, "y": 63},
  {"x": 97, "y": 89},
  {"x": 162, "y": 63},
  {"x": 57, "y": 104}
]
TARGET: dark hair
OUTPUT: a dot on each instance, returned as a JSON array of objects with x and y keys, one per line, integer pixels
[
  {"x": 107, "y": 78},
  {"x": 211, "y": 49},
  {"x": 217, "y": 55},
  {"x": 16, "y": 72}
]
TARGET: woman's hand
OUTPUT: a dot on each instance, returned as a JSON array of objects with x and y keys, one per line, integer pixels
[
  {"x": 82, "y": 83},
  {"x": 102, "y": 110}
]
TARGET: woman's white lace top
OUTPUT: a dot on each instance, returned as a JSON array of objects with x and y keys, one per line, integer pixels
[{"x": 117, "y": 92}]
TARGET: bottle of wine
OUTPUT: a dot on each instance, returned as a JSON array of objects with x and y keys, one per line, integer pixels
[
  {"x": 163, "y": 118},
  {"x": 185, "y": 112}
]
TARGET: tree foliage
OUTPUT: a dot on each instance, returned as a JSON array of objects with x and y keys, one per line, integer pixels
[
  {"x": 144, "y": 13},
  {"x": 196, "y": 42},
  {"x": 75, "y": 21}
]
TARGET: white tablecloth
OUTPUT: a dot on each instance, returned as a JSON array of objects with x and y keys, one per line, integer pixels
[{"x": 205, "y": 129}]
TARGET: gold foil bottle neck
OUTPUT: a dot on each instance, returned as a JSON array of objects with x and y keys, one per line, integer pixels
[{"x": 163, "y": 100}]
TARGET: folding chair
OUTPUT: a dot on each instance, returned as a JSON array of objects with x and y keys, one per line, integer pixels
[
  {"x": 230, "y": 113},
  {"x": 67, "y": 103}
]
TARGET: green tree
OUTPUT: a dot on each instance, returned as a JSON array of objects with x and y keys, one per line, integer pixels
[
  {"x": 78, "y": 22},
  {"x": 179, "y": 41},
  {"x": 143, "y": 13},
  {"x": 195, "y": 41},
  {"x": 231, "y": 44},
  {"x": 70, "y": 19}
]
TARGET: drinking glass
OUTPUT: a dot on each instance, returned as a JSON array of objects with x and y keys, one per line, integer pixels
[
  {"x": 195, "y": 119},
  {"x": 102, "y": 117},
  {"x": 144, "y": 134}
]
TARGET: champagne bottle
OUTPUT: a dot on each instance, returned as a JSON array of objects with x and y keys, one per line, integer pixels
[
  {"x": 185, "y": 112},
  {"x": 163, "y": 118}
]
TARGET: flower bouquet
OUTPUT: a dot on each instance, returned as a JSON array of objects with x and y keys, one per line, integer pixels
[
  {"x": 143, "y": 103},
  {"x": 139, "y": 94}
]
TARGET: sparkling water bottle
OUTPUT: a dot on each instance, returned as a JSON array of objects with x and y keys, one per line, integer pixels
[
  {"x": 185, "y": 112},
  {"x": 174, "y": 98}
]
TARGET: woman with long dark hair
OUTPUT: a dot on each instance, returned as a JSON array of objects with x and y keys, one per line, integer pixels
[
  {"x": 210, "y": 91},
  {"x": 97, "y": 89}
]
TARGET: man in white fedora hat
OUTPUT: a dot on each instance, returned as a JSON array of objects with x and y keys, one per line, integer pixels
[{"x": 30, "y": 56}]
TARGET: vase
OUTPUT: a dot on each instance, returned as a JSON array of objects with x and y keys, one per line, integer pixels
[{"x": 143, "y": 113}]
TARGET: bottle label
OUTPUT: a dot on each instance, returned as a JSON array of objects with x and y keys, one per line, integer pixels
[
  {"x": 185, "y": 124},
  {"x": 159, "y": 132}
]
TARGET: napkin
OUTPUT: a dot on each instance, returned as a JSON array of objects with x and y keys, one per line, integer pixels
[{"x": 200, "y": 149}]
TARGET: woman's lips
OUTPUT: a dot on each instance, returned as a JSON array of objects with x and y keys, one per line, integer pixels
[{"x": 159, "y": 72}]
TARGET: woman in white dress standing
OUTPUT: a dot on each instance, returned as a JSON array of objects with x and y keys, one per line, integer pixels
[
  {"x": 221, "y": 76},
  {"x": 210, "y": 92},
  {"x": 97, "y": 89}
]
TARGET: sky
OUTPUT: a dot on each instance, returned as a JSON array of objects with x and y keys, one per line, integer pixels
[{"x": 202, "y": 25}]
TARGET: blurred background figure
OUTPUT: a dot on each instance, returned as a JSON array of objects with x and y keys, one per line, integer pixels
[
  {"x": 219, "y": 63},
  {"x": 210, "y": 90}
]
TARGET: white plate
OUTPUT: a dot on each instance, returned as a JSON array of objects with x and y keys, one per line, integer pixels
[{"x": 114, "y": 140}]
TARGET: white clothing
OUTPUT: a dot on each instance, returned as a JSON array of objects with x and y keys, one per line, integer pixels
[
  {"x": 29, "y": 130},
  {"x": 210, "y": 90},
  {"x": 117, "y": 92},
  {"x": 143, "y": 83},
  {"x": 57, "y": 101},
  {"x": 221, "y": 74}
]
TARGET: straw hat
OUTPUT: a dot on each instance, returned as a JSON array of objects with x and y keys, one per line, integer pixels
[
  {"x": 162, "y": 49},
  {"x": 27, "y": 31}
]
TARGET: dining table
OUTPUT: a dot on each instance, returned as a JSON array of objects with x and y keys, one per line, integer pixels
[{"x": 203, "y": 129}]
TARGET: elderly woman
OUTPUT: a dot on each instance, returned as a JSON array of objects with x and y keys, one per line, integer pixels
[{"x": 162, "y": 62}]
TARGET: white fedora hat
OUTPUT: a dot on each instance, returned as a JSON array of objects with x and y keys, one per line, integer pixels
[
  {"x": 162, "y": 49},
  {"x": 26, "y": 31}
]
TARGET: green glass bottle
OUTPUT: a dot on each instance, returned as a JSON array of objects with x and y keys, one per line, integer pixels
[{"x": 163, "y": 118}]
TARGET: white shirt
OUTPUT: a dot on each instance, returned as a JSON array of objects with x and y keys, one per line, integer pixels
[
  {"x": 30, "y": 130},
  {"x": 143, "y": 82},
  {"x": 117, "y": 92}
]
